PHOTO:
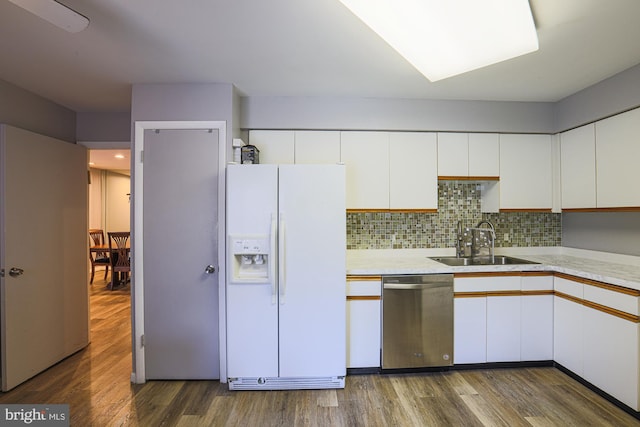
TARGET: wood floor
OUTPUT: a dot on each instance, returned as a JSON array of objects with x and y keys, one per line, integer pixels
[{"x": 96, "y": 384}]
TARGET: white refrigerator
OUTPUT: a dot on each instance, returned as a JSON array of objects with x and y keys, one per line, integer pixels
[{"x": 286, "y": 303}]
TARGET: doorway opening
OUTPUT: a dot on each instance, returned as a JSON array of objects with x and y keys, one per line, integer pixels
[{"x": 109, "y": 210}]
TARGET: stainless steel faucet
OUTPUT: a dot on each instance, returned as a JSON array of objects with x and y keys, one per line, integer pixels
[
  {"x": 491, "y": 227},
  {"x": 462, "y": 241},
  {"x": 478, "y": 244}
]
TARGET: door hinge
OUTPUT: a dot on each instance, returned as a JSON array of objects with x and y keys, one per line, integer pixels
[
  {"x": 142, "y": 340},
  {"x": 141, "y": 156}
]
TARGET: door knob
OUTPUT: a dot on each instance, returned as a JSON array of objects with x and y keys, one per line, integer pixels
[
  {"x": 15, "y": 272},
  {"x": 210, "y": 269}
]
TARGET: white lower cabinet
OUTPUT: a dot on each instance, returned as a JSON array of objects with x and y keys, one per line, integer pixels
[
  {"x": 597, "y": 336},
  {"x": 537, "y": 328},
  {"x": 363, "y": 321},
  {"x": 610, "y": 355},
  {"x": 470, "y": 330},
  {"x": 486, "y": 318},
  {"x": 536, "y": 338},
  {"x": 568, "y": 334},
  {"x": 503, "y": 328}
]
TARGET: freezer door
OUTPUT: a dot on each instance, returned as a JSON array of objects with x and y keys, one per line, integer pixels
[
  {"x": 252, "y": 317},
  {"x": 312, "y": 270}
]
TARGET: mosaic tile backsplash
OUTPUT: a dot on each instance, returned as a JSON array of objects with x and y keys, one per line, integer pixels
[{"x": 456, "y": 201}]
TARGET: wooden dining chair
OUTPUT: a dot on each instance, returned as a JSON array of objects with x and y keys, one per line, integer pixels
[
  {"x": 98, "y": 257},
  {"x": 119, "y": 255}
]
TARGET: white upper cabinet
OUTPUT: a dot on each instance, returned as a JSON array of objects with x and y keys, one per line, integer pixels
[
  {"x": 468, "y": 155},
  {"x": 317, "y": 147},
  {"x": 300, "y": 147},
  {"x": 526, "y": 172},
  {"x": 366, "y": 156},
  {"x": 413, "y": 165},
  {"x": 578, "y": 167},
  {"x": 453, "y": 154},
  {"x": 617, "y": 154},
  {"x": 276, "y": 146},
  {"x": 484, "y": 155}
]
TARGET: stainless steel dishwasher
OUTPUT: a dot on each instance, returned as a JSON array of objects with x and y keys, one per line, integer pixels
[{"x": 417, "y": 321}]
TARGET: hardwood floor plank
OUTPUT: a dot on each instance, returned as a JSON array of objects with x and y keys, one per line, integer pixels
[
  {"x": 458, "y": 382},
  {"x": 448, "y": 409},
  {"x": 540, "y": 422}
]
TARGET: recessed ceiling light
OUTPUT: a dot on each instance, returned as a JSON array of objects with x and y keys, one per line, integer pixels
[
  {"x": 445, "y": 38},
  {"x": 91, "y": 163},
  {"x": 56, "y": 13},
  {"x": 119, "y": 156}
]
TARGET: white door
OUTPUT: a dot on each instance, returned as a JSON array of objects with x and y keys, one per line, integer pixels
[
  {"x": 180, "y": 241},
  {"x": 312, "y": 282},
  {"x": 43, "y": 232}
]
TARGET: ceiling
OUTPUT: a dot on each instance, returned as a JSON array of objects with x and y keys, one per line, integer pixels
[
  {"x": 107, "y": 160},
  {"x": 293, "y": 48}
]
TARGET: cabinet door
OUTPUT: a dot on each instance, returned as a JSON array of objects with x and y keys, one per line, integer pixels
[
  {"x": 568, "y": 340},
  {"x": 363, "y": 333},
  {"x": 366, "y": 155},
  {"x": 611, "y": 355},
  {"x": 537, "y": 328},
  {"x": 453, "y": 154},
  {"x": 537, "y": 318},
  {"x": 525, "y": 172},
  {"x": 484, "y": 155},
  {"x": 470, "y": 330},
  {"x": 503, "y": 329},
  {"x": 276, "y": 146},
  {"x": 363, "y": 321},
  {"x": 578, "y": 167},
  {"x": 413, "y": 170},
  {"x": 617, "y": 154},
  {"x": 317, "y": 147}
]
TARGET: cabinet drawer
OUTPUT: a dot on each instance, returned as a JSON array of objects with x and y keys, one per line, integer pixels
[
  {"x": 364, "y": 286},
  {"x": 537, "y": 282},
  {"x": 568, "y": 287},
  {"x": 612, "y": 299},
  {"x": 476, "y": 282}
]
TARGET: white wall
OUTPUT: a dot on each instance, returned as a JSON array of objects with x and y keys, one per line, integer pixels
[
  {"x": 110, "y": 127},
  {"x": 28, "y": 111},
  {"x": 396, "y": 114},
  {"x": 109, "y": 207},
  {"x": 614, "y": 95},
  {"x": 116, "y": 202},
  {"x": 186, "y": 102},
  {"x": 95, "y": 199},
  {"x": 617, "y": 232}
]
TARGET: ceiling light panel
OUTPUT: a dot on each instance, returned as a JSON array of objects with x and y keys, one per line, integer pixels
[{"x": 445, "y": 38}]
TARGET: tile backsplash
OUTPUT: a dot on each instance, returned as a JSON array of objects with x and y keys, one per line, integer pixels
[{"x": 457, "y": 201}]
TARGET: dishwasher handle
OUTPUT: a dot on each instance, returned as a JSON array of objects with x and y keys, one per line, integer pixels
[{"x": 409, "y": 286}]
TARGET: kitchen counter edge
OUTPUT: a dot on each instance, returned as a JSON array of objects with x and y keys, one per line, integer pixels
[{"x": 616, "y": 269}]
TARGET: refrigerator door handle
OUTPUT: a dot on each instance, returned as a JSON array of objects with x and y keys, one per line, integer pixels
[
  {"x": 282, "y": 273},
  {"x": 272, "y": 264}
]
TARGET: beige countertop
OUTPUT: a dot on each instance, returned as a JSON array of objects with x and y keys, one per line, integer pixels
[{"x": 616, "y": 269}]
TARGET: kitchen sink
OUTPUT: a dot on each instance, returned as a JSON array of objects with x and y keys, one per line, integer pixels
[{"x": 485, "y": 260}]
